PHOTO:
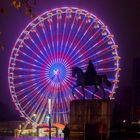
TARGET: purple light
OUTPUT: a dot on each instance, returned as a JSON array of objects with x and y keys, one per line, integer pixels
[{"x": 44, "y": 54}]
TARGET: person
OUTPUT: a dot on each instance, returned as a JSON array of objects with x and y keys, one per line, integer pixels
[
  {"x": 59, "y": 132},
  {"x": 66, "y": 132},
  {"x": 90, "y": 73}
]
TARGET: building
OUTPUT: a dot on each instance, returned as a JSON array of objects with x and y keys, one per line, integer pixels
[
  {"x": 7, "y": 128},
  {"x": 136, "y": 88}
]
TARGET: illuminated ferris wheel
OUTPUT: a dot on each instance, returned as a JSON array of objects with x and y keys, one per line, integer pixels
[{"x": 44, "y": 53}]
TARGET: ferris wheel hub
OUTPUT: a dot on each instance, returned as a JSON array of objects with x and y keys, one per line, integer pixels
[{"x": 57, "y": 72}]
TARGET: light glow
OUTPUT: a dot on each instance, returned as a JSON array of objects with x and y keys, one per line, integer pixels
[{"x": 44, "y": 54}]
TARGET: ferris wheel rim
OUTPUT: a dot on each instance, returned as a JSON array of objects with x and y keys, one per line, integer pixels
[{"x": 13, "y": 94}]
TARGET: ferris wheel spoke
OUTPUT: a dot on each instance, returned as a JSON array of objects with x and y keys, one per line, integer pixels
[
  {"x": 102, "y": 52},
  {"x": 89, "y": 50},
  {"x": 63, "y": 34},
  {"x": 72, "y": 79},
  {"x": 57, "y": 112},
  {"x": 42, "y": 44},
  {"x": 66, "y": 104},
  {"x": 54, "y": 109},
  {"x": 46, "y": 111},
  {"x": 52, "y": 39},
  {"x": 85, "y": 44},
  {"x": 27, "y": 97},
  {"x": 27, "y": 63},
  {"x": 37, "y": 104},
  {"x": 80, "y": 93},
  {"x": 63, "y": 89},
  {"x": 68, "y": 84},
  {"x": 106, "y": 69},
  {"x": 33, "y": 52},
  {"x": 97, "y": 96},
  {"x": 99, "y": 43},
  {"x": 57, "y": 37},
  {"x": 35, "y": 110},
  {"x": 34, "y": 84},
  {"x": 83, "y": 60},
  {"x": 26, "y": 69},
  {"x": 87, "y": 30},
  {"x": 91, "y": 93},
  {"x": 48, "y": 46},
  {"x": 72, "y": 41},
  {"x": 28, "y": 56},
  {"x": 107, "y": 90},
  {"x": 105, "y": 60},
  {"x": 40, "y": 111},
  {"x": 111, "y": 79},
  {"x": 29, "y": 82},
  {"x": 58, "y": 109},
  {"x": 68, "y": 37},
  {"x": 33, "y": 96},
  {"x": 22, "y": 76},
  {"x": 28, "y": 104},
  {"x": 63, "y": 109},
  {"x": 40, "y": 51},
  {"x": 66, "y": 88},
  {"x": 99, "y": 54},
  {"x": 42, "y": 106}
]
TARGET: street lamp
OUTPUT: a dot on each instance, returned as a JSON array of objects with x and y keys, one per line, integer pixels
[{"x": 49, "y": 104}]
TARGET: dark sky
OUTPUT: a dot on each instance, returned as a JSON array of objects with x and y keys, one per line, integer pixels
[{"x": 121, "y": 16}]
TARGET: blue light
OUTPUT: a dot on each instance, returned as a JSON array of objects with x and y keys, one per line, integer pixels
[{"x": 57, "y": 72}]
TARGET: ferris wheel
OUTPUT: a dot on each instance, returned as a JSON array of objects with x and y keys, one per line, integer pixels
[{"x": 44, "y": 54}]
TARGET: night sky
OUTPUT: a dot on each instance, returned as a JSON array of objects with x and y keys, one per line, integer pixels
[{"x": 121, "y": 16}]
